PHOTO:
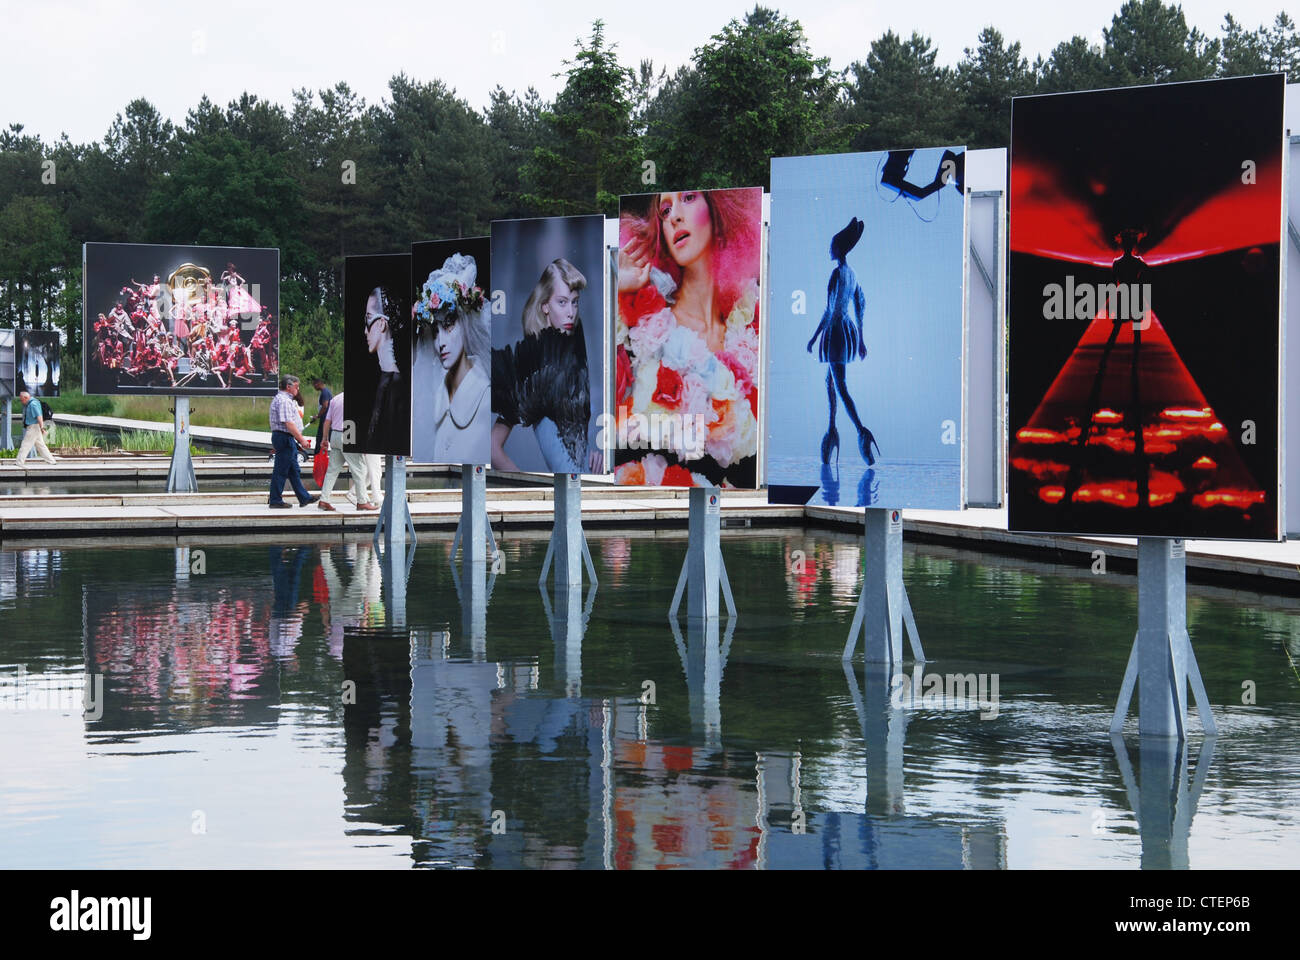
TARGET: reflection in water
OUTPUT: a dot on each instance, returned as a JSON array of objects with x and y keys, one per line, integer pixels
[
  {"x": 568, "y": 618},
  {"x": 1162, "y": 800},
  {"x": 504, "y": 734},
  {"x": 704, "y": 657}
]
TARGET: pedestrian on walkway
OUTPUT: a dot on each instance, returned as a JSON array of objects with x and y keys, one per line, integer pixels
[
  {"x": 324, "y": 398},
  {"x": 34, "y": 429},
  {"x": 287, "y": 440},
  {"x": 335, "y": 432}
]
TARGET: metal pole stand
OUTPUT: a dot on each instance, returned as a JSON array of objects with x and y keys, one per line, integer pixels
[
  {"x": 1162, "y": 656},
  {"x": 473, "y": 531},
  {"x": 7, "y": 427},
  {"x": 394, "y": 531},
  {"x": 568, "y": 544},
  {"x": 395, "y": 541},
  {"x": 703, "y": 569},
  {"x": 883, "y": 607},
  {"x": 180, "y": 478}
]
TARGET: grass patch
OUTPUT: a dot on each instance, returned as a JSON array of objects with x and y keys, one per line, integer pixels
[
  {"x": 73, "y": 438},
  {"x": 232, "y": 413}
]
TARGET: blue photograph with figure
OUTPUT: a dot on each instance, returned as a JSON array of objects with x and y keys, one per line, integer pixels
[{"x": 864, "y": 394}]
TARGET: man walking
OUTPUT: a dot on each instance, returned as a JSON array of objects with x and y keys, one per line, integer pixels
[
  {"x": 357, "y": 467},
  {"x": 33, "y": 430},
  {"x": 287, "y": 440},
  {"x": 324, "y": 398}
]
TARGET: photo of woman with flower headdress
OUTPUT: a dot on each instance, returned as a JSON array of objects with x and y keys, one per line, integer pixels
[
  {"x": 548, "y": 385},
  {"x": 377, "y": 353},
  {"x": 686, "y": 338},
  {"x": 451, "y": 416}
]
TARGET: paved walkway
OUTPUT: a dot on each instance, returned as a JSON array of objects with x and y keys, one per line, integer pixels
[{"x": 109, "y": 515}]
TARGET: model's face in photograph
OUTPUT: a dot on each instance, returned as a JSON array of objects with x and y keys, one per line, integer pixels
[
  {"x": 376, "y": 322},
  {"x": 450, "y": 340},
  {"x": 561, "y": 310},
  {"x": 686, "y": 225}
]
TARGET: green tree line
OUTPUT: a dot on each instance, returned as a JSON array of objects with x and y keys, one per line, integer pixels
[{"x": 329, "y": 175}]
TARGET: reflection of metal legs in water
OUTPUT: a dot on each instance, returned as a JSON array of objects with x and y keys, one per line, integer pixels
[
  {"x": 1162, "y": 800},
  {"x": 568, "y": 619},
  {"x": 474, "y": 590},
  {"x": 884, "y": 729},
  {"x": 704, "y": 658}
]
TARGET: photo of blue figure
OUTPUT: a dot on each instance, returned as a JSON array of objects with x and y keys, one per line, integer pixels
[
  {"x": 841, "y": 341},
  {"x": 883, "y": 235},
  {"x": 548, "y": 345}
]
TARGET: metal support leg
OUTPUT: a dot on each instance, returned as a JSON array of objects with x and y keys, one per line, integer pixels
[
  {"x": 883, "y": 607},
  {"x": 704, "y": 575},
  {"x": 7, "y": 426},
  {"x": 473, "y": 532},
  {"x": 180, "y": 478},
  {"x": 568, "y": 545},
  {"x": 1162, "y": 664},
  {"x": 394, "y": 527}
]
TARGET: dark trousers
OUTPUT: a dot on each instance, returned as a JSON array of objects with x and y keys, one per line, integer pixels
[{"x": 286, "y": 468}]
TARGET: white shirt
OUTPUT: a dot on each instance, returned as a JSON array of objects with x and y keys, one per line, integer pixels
[{"x": 463, "y": 424}]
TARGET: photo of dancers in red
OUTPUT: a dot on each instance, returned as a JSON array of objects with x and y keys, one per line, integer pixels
[{"x": 205, "y": 323}]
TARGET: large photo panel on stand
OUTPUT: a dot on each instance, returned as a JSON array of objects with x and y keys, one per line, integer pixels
[
  {"x": 686, "y": 374},
  {"x": 451, "y": 347},
  {"x": 866, "y": 343},
  {"x": 38, "y": 362},
  {"x": 377, "y": 352},
  {"x": 548, "y": 344},
  {"x": 180, "y": 320},
  {"x": 1145, "y": 229}
]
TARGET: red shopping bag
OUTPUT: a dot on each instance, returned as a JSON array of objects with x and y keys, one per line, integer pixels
[{"x": 319, "y": 464}]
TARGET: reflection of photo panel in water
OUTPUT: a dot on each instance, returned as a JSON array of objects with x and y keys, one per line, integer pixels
[
  {"x": 687, "y": 338},
  {"x": 451, "y": 342},
  {"x": 377, "y": 352},
  {"x": 548, "y": 345},
  {"x": 868, "y": 291},
  {"x": 1144, "y": 257},
  {"x": 180, "y": 320}
]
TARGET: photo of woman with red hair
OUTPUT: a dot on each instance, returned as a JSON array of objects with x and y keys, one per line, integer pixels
[{"x": 686, "y": 375}]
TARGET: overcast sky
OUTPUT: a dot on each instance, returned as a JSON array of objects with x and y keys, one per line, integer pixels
[{"x": 71, "y": 66}]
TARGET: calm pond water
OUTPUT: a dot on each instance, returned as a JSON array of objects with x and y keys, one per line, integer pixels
[{"x": 283, "y": 706}]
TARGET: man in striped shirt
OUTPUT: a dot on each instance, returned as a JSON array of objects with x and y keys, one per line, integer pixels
[{"x": 287, "y": 440}]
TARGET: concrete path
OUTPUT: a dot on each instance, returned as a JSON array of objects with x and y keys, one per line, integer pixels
[{"x": 34, "y": 517}]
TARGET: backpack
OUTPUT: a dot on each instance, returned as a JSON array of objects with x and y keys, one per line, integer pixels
[{"x": 47, "y": 412}]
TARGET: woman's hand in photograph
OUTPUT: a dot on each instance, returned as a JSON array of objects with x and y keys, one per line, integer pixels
[
  {"x": 596, "y": 461},
  {"x": 633, "y": 265}
]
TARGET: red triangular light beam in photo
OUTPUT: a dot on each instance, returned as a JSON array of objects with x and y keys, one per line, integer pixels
[{"x": 1187, "y": 447}]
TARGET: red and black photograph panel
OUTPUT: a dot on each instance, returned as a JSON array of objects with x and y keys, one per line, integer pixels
[{"x": 1145, "y": 229}]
